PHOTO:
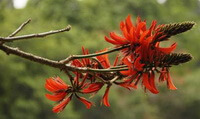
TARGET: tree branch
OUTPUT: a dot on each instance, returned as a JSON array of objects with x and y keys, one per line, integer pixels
[
  {"x": 20, "y": 28},
  {"x": 52, "y": 63},
  {"x": 73, "y": 57},
  {"x": 62, "y": 64},
  {"x": 29, "y": 36},
  {"x": 10, "y": 50}
]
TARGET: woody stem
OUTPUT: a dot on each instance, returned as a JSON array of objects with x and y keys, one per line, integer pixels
[{"x": 73, "y": 57}]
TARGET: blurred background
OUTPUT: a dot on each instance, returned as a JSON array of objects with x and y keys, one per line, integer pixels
[{"x": 22, "y": 82}]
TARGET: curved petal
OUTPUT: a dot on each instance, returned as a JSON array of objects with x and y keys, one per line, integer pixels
[
  {"x": 56, "y": 97},
  {"x": 170, "y": 84},
  {"x": 143, "y": 36},
  {"x": 51, "y": 85},
  {"x": 129, "y": 23},
  {"x": 103, "y": 59},
  {"x": 168, "y": 50},
  {"x": 111, "y": 41},
  {"x": 152, "y": 83},
  {"x": 118, "y": 39},
  {"x": 146, "y": 81},
  {"x": 92, "y": 88},
  {"x": 138, "y": 65},
  {"x": 87, "y": 103},
  {"x": 62, "y": 105},
  {"x": 122, "y": 25},
  {"x": 105, "y": 97},
  {"x": 116, "y": 60},
  {"x": 139, "y": 27}
]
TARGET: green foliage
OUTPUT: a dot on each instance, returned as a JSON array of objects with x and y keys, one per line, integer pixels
[{"x": 22, "y": 82}]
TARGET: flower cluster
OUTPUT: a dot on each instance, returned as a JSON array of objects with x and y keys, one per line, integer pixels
[
  {"x": 144, "y": 52},
  {"x": 139, "y": 59}
]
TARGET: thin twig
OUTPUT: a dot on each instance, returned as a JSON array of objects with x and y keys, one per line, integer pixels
[
  {"x": 29, "y": 36},
  {"x": 114, "y": 79},
  {"x": 20, "y": 28},
  {"x": 119, "y": 66},
  {"x": 73, "y": 57},
  {"x": 87, "y": 69}
]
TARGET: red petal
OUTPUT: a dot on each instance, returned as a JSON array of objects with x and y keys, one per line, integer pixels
[
  {"x": 118, "y": 39},
  {"x": 55, "y": 84},
  {"x": 103, "y": 59},
  {"x": 56, "y": 97},
  {"x": 128, "y": 22},
  {"x": 87, "y": 103},
  {"x": 127, "y": 60},
  {"x": 60, "y": 83},
  {"x": 105, "y": 97},
  {"x": 127, "y": 85},
  {"x": 94, "y": 87},
  {"x": 122, "y": 25},
  {"x": 132, "y": 34},
  {"x": 143, "y": 36},
  {"x": 130, "y": 78},
  {"x": 116, "y": 60},
  {"x": 146, "y": 81},
  {"x": 111, "y": 41},
  {"x": 49, "y": 88},
  {"x": 170, "y": 84},
  {"x": 139, "y": 27},
  {"x": 168, "y": 50},
  {"x": 138, "y": 65},
  {"x": 153, "y": 25},
  {"x": 152, "y": 83},
  {"x": 133, "y": 85},
  {"x": 77, "y": 63},
  {"x": 85, "y": 61},
  {"x": 83, "y": 81},
  {"x": 61, "y": 105},
  {"x": 149, "y": 83},
  {"x": 126, "y": 73},
  {"x": 51, "y": 85},
  {"x": 138, "y": 20}
]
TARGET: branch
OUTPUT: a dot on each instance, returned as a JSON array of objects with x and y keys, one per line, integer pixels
[
  {"x": 52, "y": 63},
  {"x": 20, "y": 28},
  {"x": 73, "y": 57},
  {"x": 87, "y": 69},
  {"x": 62, "y": 64},
  {"x": 10, "y": 39},
  {"x": 10, "y": 50}
]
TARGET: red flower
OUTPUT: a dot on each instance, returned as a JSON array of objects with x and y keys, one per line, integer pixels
[
  {"x": 143, "y": 54},
  {"x": 57, "y": 87},
  {"x": 60, "y": 90},
  {"x": 143, "y": 42},
  {"x": 133, "y": 35}
]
